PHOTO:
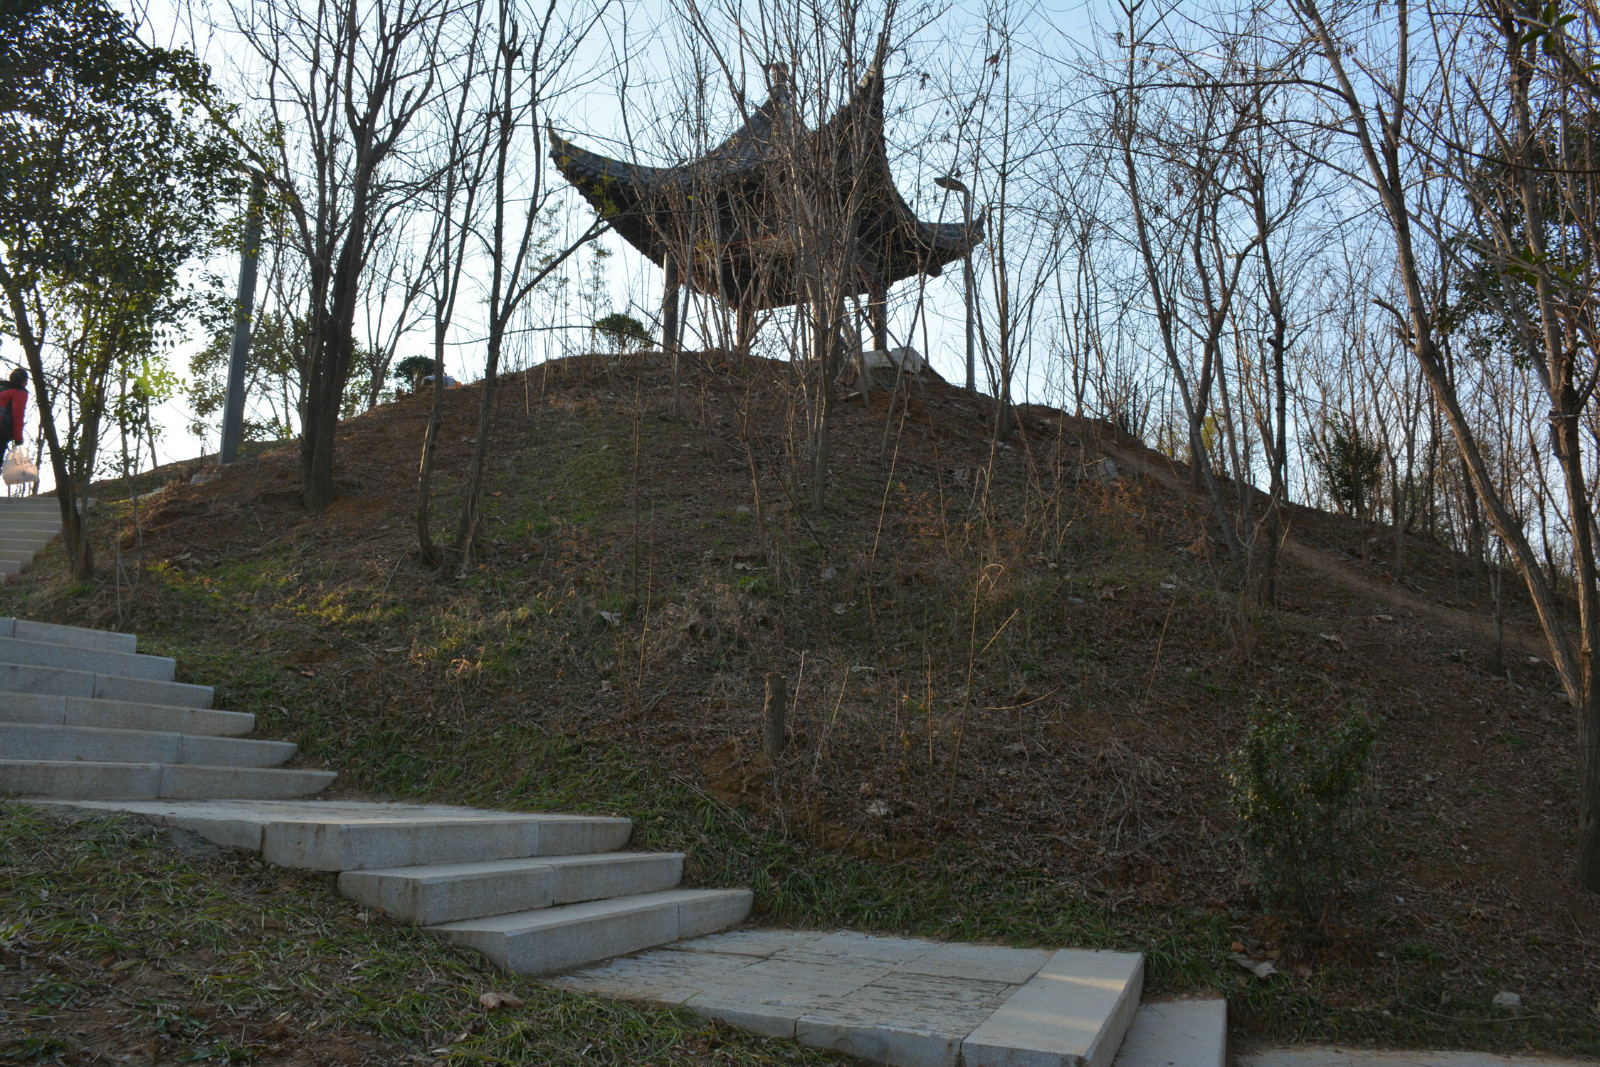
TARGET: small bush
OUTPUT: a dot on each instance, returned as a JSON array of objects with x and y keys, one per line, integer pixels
[
  {"x": 622, "y": 332},
  {"x": 409, "y": 371},
  {"x": 1350, "y": 463},
  {"x": 1298, "y": 799}
]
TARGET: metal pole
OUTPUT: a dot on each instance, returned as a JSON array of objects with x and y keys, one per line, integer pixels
[{"x": 233, "y": 406}]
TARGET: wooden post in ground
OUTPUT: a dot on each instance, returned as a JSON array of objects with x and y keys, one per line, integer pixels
[{"x": 774, "y": 739}]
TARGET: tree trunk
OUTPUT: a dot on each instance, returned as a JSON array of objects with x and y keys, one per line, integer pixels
[
  {"x": 822, "y": 344},
  {"x": 430, "y": 443},
  {"x": 670, "y": 287},
  {"x": 320, "y": 425}
]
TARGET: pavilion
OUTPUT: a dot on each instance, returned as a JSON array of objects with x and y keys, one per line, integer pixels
[{"x": 727, "y": 224}]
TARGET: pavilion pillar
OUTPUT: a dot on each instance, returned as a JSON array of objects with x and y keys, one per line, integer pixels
[
  {"x": 878, "y": 316},
  {"x": 878, "y": 308},
  {"x": 669, "y": 320}
]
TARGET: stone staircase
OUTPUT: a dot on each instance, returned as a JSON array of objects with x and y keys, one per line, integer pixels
[
  {"x": 27, "y": 525},
  {"x": 88, "y": 722}
]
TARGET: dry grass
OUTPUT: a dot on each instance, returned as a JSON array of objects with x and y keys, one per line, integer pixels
[{"x": 1009, "y": 680}]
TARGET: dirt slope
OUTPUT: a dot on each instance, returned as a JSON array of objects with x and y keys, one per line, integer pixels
[{"x": 1007, "y": 675}]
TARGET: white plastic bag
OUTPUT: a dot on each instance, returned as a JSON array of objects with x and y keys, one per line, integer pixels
[{"x": 19, "y": 469}]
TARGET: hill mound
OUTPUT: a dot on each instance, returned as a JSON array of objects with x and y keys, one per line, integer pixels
[{"x": 1013, "y": 681}]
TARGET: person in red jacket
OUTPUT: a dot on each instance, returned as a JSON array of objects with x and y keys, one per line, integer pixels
[{"x": 13, "y": 402}]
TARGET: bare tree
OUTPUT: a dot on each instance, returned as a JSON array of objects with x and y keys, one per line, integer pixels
[
  {"x": 343, "y": 84},
  {"x": 531, "y": 62},
  {"x": 1504, "y": 140}
]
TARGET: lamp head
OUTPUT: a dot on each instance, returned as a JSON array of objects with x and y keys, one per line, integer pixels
[{"x": 953, "y": 184}]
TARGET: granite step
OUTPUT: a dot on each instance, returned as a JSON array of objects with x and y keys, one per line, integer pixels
[
  {"x": 547, "y": 940},
  {"x": 442, "y": 893},
  {"x": 52, "y": 710},
  {"x": 85, "y": 780},
  {"x": 338, "y": 835},
  {"x": 73, "y": 636},
  {"x": 19, "y": 741},
  {"x": 75, "y": 658},
  {"x": 13, "y": 526},
  {"x": 59, "y": 681},
  {"x": 24, "y": 544}
]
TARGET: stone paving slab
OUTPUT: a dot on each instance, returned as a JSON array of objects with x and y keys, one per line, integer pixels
[
  {"x": 1178, "y": 1032},
  {"x": 901, "y": 1001},
  {"x": 1073, "y": 1013},
  {"x": 917, "y": 1020}
]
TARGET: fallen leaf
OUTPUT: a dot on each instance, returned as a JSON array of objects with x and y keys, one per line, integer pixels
[
  {"x": 1301, "y": 970},
  {"x": 878, "y": 809},
  {"x": 612, "y": 617},
  {"x": 1335, "y": 640},
  {"x": 496, "y": 1001},
  {"x": 1259, "y": 968}
]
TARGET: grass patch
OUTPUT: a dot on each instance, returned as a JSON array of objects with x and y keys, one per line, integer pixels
[{"x": 115, "y": 942}]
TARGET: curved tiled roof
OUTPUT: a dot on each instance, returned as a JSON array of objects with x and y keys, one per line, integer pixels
[{"x": 657, "y": 208}]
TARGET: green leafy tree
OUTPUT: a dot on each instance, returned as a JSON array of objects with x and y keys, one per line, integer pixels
[
  {"x": 109, "y": 184},
  {"x": 409, "y": 372},
  {"x": 1350, "y": 465},
  {"x": 1298, "y": 800},
  {"x": 271, "y": 386},
  {"x": 621, "y": 331}
]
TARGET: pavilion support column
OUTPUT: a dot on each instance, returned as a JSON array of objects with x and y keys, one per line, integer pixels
[
  {"x": 669, "y": 321},
  {"x": 878, "y": 315},
  {"x": 879, "y": 310}
]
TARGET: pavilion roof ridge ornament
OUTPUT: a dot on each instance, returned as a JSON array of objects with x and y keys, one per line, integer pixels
[{"x": 719, "y": 215}]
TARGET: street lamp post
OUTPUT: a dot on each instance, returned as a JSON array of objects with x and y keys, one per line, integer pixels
[{"x": 955, "y": 185}]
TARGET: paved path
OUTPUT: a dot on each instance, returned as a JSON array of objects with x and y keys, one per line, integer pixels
[
  {"x": 922, "y": 1003},
  {"x": 1310, "y": 1056}
]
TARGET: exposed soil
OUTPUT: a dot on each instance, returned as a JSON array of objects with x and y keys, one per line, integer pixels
[{"x": 992, "y": 650}]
